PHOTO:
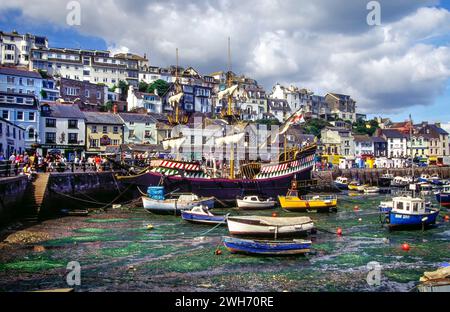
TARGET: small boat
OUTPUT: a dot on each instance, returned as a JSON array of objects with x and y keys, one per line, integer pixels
[
  {"x": 294, "y": 203},
  {"x": 385, "y": 206},
  {"x": 386, "y": 179},
  {"x": 443, "y": 196},
  {"x": 401, "y": 181},
  {"x": 254, "y": 203},
  {"x": 437, "y": 281},
  {"x": 410, "y": 212},
  {"x": 436, "y": 180},
  {"x": 267, "y": 247},
  {"x": 424, "y": 178},
  {"x": 176, "y": 203},
  {"x": 201, "y": 214},
  {"x": 354, "y": 186},
  {"x": 269, "y": 226},
  {"x": 371, "y": 190},
  {"x": 341, "y": 183}
]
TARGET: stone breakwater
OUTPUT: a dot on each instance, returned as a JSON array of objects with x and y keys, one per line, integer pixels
[{"x": 371, "y": 176}]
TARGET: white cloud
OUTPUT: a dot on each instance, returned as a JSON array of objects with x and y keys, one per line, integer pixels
[{"x": 325, "y": 45}]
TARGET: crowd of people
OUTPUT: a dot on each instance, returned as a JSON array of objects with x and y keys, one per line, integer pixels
[{"x": 30, "y": 164}]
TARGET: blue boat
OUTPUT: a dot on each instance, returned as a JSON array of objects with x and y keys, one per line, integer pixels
[
  {"x": 267, "y": 247},
  {"x": 341, "y": 183},
  {"x": 443, "y": 196},
  {"x": 410, "y": 212},
  {"x": 201, "y": 214}
]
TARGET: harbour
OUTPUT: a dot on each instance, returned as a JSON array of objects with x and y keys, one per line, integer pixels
[{"x": 118, "y": 252}]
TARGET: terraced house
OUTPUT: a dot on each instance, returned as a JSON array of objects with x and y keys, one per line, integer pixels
[
  {"x": 63, "y": 129},
  {"x": 20, "y": 93},
  {"x": 102, "y": 130},
  {"x": 139, "y": 128}
]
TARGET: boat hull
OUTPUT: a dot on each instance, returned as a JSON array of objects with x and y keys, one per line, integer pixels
[
  {"x": 239, "y": 227},
  {"x": 397, "y": 220},
  {"x": 246, "y": 205},
  {"x": 341, "y": 186},
  {"x": 222, "y": 189},
  {"x": 268, "y": 248},
  {"x": 296, "y": 204},
  {"x": 443, "y": 199},
  {"x": 172, "y": 206},
  {"x": 203, "y": 219}
]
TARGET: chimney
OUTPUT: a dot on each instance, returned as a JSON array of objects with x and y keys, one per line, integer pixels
[{"x": 115, "y": 109}]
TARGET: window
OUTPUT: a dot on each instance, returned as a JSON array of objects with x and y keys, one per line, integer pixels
[
  {"x": 116, "y": 129},
  {"x": 99, "y": 95},
  {"x": 131, "y": 134},
  {"x": 10, "y": 80},
  {"x": 50, "y": 123},
  {"x": 31, "y": 116},
  {"x": 5, "y": 114},
  {"x": 31, "y": 134},
  {"x": 147, "y": 134},
  {"x": 94, "y": 143},
  {"x": 94, "y": 129},
  {"x": 86, "y": 93},
  {"x": 105, "y": 129},
  {"x": 30, "y": 82},
  {"x": 50, "y": 138},
  {"x": 86, "y": 73},
  {"x": 73, "y": 138},
  {"x": 73, "y": 124}
]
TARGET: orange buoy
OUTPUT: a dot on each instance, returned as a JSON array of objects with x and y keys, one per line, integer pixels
[
  {"x": 274, "y": 214},
  {"x": 356, "y": 208},
  {"x": 218, "y": 252},
  {"x": 339, "y": 232},
  {"x": 447, "y": 218},
  {"x": 406, "y": 247}
]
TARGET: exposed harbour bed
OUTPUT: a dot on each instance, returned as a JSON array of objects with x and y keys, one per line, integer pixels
[{"x": 117, "y": 252}]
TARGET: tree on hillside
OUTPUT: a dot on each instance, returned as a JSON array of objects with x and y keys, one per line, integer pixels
[
  {"x": 365, "y": 127},
  {"x": 160, "y": 85},
  {"x": 314, "y": 126}
]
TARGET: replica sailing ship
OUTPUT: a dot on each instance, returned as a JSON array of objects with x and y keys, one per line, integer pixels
[{"x": 268, "y": 180}]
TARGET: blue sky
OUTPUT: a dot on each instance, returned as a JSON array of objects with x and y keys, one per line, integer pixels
[{"x": 260, "y": 41}]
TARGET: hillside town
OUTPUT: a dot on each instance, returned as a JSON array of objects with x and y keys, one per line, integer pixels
[{"x": 79, "y": 103}]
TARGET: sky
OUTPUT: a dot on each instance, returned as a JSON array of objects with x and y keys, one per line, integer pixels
[{"x": 394, "y": 69}]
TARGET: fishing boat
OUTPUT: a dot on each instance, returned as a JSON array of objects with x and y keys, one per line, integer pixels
[
  {"x": 410, "y": 212},
  {"x": 202, "y": 215},
  {"x": 436, "y": 180},
  {"x": 267, "y": 247},
  {"x": 437, "y": 281},
  {"x": 269, "y": 226},
  {"x": 156, "y": 202},
  {"x": 295, "y": 203},
  {"x": 356, "y": 186},
  {"x": 255, "y": 203},
  {"x": 371, "y": 190},
  {"x": 385, "y": 180},
  {"x": 341, "y": 183},
  {"x": 443, "y": 196}
]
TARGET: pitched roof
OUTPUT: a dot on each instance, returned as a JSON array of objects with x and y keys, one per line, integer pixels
[
  {"x": 102, "y": 118},
  {"x": 19, "y": 72},
  {"x": 393, "y": 133},
  {"x": 137, "y": 118},
  {"x": 63, "y": 111},
  {"x": 361, "y": 138}
]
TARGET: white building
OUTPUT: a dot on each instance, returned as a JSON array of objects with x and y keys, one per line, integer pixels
[
  {"x": 150, "y": 101},
  {"x": 139, "y": 128},
  {"x": 15, "y": 48},
  {"x": 296, "y": 98},
  {"x": 88, "y": 65},
  {"x": 12, "y": 138},
  {"x": 364, "y": 145},
  {"x": 397, "y": 143},
  {"x": 63, "y": 129}
]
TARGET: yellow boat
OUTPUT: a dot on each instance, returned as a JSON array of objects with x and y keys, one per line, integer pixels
[
  {"x": 354, "y": 186},
  {"x": 293, "y": 202}
]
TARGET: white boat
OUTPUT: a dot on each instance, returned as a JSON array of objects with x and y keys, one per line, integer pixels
[
  {"x": 341, "y": 183},
  {"x": 202, "y": 215},
  {"x": 254, "y": 203},
  {"x": 371, "y": 190},
  {"x": 176, "y": 204},
  {"x": 401, "y": 181},
  {"x": 269, "y": 226}
]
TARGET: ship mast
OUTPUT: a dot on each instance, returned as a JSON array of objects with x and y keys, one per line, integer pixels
[
  {"x": 176, "y": 90},
  {"x": 230, "y": 107},
  {"x": 412, "y": 152}
]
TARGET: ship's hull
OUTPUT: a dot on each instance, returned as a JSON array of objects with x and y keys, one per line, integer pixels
[{"x": 222, "y": 189}]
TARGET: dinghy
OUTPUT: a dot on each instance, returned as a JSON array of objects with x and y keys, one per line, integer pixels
[
  {"x": 269, "y": 226},
  {"x": 293, "y": 202},
  {"x": 201, "y": 214},
  {"x": 255, "y": 203},
  {"x": 266, "y": 247}
]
